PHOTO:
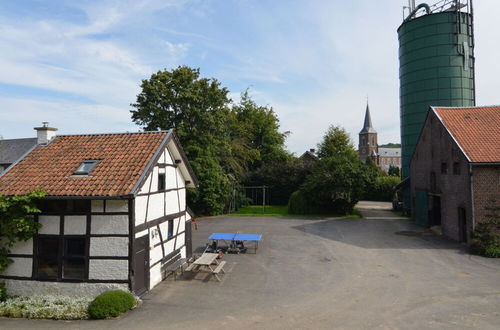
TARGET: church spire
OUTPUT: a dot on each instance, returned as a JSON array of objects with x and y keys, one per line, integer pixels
[{"x": 368, "y": 128}]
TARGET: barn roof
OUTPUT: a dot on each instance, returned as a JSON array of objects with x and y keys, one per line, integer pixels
[
  {"x": 122, "y": 160},
  {"x": 475, "y": 129}
]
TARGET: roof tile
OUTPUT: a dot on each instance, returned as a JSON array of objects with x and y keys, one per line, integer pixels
[
  {"x": 123, "y": 157},
  {"x": 476, "y": 130}
]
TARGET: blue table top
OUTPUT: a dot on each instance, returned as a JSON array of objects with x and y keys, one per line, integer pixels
[{"x": 236, "y": 237}]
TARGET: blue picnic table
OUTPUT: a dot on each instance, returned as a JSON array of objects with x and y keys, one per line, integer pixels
[{"x": 234, "y": 240}]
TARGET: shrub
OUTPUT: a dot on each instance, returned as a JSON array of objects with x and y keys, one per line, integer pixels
[
  {"x": 3, "y": 292},
  {"x": 381, "y": 189},
  {"x": 111, "y": 304},
  {"x": 485, "y": 240},
  {"x": 299, "y": 204},
  {"x": 45, "y": 307}
]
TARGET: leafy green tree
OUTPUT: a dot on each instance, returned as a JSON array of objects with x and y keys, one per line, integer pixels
[
  {"x": 336, "y": 141},
  {"x": 283, "y": 177},
  {"x": 393, "y": 171},
  {"x": 337, "y": 182},
  {"x": 259, "y": 125},
  {"x": 17, "y": 222},
  {"x": 222, "y": 140}
]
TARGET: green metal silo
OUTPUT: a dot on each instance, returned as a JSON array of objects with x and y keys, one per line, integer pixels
[{"x": 436, "y": 67}]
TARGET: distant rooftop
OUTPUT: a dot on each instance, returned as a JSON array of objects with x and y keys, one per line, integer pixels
[{"x": 11, "y": 150}]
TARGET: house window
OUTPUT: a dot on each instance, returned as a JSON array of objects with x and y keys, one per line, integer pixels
[
  {"x": 444, "y": 168},
  {"x": 170, "y": 229},
  {"x": 64, "y": 206},
  {"x": 61, "y": 257},
  {"x": 456, "y": 168},
  {"x": 86, "y": 167},
  {"x": 161, "y": 181}
]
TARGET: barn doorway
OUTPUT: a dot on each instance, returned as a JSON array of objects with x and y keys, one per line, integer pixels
[
  {"x": 462, "y": 225},
  {"x": 141, "y": 265},
  {"x": 435, "y": 212}
]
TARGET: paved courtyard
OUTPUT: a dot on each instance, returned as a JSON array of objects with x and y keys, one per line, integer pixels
[{"x": 380, "y": 272}]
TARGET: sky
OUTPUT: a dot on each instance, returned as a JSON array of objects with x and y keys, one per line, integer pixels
[{"x": 79, "y": 64}]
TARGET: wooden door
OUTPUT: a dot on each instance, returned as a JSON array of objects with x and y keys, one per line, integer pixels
[{"x": 141, "y": 265}]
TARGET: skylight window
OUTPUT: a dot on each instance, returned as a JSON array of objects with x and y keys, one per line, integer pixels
[{"x": 86, "y": 167}]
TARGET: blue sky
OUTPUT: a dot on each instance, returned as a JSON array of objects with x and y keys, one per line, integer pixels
[{"x": 79, "y": 64}]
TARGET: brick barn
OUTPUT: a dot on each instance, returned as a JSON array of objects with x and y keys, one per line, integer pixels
[
  {"x": 455, "y": 169},
  {"x": 115, "y": 215}
]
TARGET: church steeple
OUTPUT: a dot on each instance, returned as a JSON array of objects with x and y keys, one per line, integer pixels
[
  {"x": 368, "y": 146},
  {"x": 368, "y": 128}
]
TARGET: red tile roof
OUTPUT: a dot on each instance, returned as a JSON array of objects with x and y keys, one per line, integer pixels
[
  {"x": 122, "y": 160},
  {"x": 475, "y": 129}
]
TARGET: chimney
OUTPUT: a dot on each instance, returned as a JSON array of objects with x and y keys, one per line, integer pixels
[
  {"x": 45, "y": 133},
  {"x": 312, "y": 151}
]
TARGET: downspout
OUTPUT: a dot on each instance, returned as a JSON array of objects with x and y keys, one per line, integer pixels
[
  {"x": 472, "y": 197},
  {"x": 414, "y": 11}
]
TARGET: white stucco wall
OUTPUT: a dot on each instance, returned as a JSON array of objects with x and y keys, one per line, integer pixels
[
  {"x": 155, "y": 276},
  {"x": 50, "y": 224},
  {"x": 20, "y": 267},
  {"x": 109, "y": 246},
  {"x": 140, "y": 209},
  {"x": 170, "y": 175},
  {"x": 109, "y": 224},
  {"x": 156, "y": 209},
  {"x": 28, "y": 288},
  {"x": 23, "y": 247},
  {"x": 172, "y": 202},
  {"x": 97, "y": 205},
  {"x": 180, "y": 178},
  {"x": 116, "y": 205},
  {"x": 100, "y": 269},
  {"x": 75, "y": 224},
  {"x": 182, "y": 199},
  {"x": 142, "y": 233}
]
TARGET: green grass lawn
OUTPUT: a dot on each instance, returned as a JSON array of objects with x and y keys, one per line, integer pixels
[{"x": 282, "y": 211}]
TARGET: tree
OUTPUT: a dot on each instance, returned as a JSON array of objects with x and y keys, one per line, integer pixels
[
  {"x": 338, "y": 180},
  {"x": 393, "y": 171},
  {"x": 336, "y": 141},
  {"x": 17, "y": 222},
  {"x": 222, "y": 140},
  {"x": 260, "y": 126}
]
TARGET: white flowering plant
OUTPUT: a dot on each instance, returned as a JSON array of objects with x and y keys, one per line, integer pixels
[{"x": 46, "y": 307}]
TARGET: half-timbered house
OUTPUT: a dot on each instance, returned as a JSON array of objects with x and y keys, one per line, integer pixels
[{"x": 115, "y": 215}]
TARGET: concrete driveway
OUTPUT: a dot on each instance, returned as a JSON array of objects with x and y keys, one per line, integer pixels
[{"x": 380, "y": 272}]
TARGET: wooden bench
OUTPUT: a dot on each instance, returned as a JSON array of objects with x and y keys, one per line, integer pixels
[
  {"x": 173, "y": 267},
  {"x": 219, "y": 269}
]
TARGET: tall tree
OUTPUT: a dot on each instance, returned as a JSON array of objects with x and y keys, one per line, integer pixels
[
  {"x": 336, "y": 141},
  {"x": 198, "y": 109}
]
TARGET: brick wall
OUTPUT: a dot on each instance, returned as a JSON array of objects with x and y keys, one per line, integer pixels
[
  {"x": 486, "y": 182},
  {"x": 436, "y": 152}
]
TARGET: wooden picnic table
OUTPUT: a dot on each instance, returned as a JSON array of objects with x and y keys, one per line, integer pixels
[{"x": 207, "y": 261}]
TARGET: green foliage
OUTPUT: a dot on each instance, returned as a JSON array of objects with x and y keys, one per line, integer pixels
[
  {"x": 45, "y": 307},
  {"x": 111, "y": 304},
  {"x": 3, "y": 292},
  {"x": 222, "y": 140},
  {"x": 486, "y": 240},
  {"x": 336, "y": 141},
  {"x": 282, "y": 177},
  {"x": 17, "y": 222},
  {"x": 299, "y": 203},
  {"x": 394, "y": 171},
  {"x": 337, "y": 181},
  {"x": 381, "y": 189},
  {"x": 390, "y": 145},
  {"x": 486, "y": 237}
]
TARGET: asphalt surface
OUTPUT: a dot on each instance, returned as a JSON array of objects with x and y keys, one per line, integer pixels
[{"x": 380, "y": 272}]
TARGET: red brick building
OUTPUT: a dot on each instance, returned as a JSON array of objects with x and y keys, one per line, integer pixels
[{"x": 455, "y": 169}]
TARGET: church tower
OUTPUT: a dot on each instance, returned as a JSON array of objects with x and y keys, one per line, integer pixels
[{"x": 368, "y": 146}]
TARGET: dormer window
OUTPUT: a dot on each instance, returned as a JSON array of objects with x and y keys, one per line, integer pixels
[{"x": 86, "y": 167}]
